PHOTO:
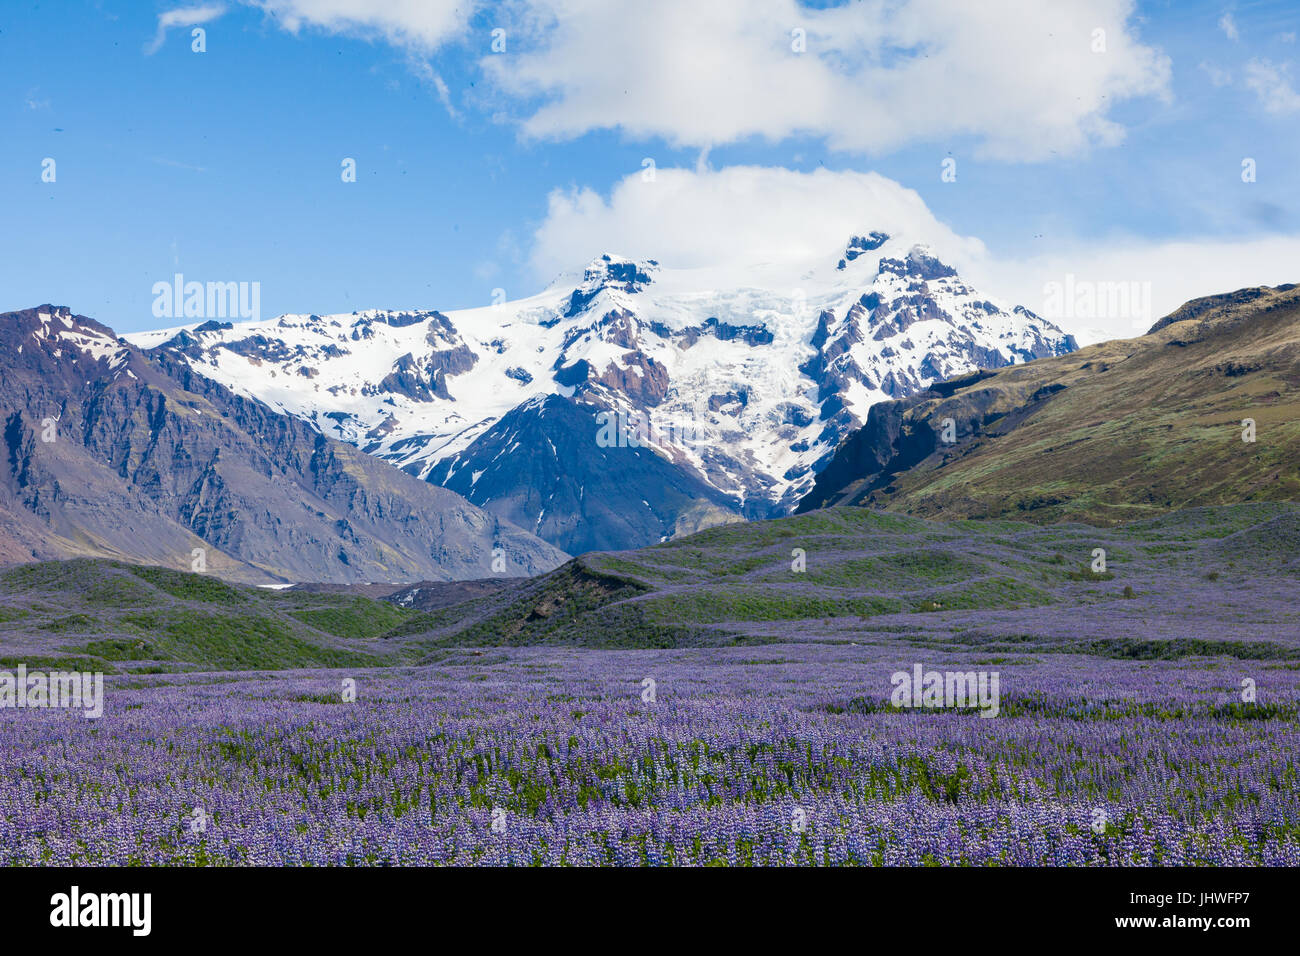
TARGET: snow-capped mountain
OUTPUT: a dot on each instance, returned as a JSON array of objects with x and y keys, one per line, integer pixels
[{"x": 631, "y": 402}]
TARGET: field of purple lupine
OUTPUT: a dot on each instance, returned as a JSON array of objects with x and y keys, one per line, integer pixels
[
  {"x": 1147, "y": 714},
  {"x": 784, "y": 755}
]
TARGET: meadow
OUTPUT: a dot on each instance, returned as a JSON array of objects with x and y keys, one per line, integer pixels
[
  {"x": 789, "y": 755},
  {"x": 1147, "y": 713}
]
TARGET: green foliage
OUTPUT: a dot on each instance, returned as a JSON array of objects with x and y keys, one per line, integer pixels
[
  {"x": 69, "y": 623},
  {"x": 125, "y": 650},
  {"x": 1178, "y": 648},
  {"x": 361, "y": 618},
  {"x": 238, "y": 642},
  {"x": 757, "y": 604},
  {"x": 900, "y": 570},
  {"x": 149, "y": 614},
  {"x": 191, "y": 587}
]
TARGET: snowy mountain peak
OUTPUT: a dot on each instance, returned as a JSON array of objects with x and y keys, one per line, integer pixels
[
  {"x": 614, "y": 275},
  {"x": 741, "y": 387}
]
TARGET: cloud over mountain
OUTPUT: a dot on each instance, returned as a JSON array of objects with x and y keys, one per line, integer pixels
[{"x": 774, "y": 220}]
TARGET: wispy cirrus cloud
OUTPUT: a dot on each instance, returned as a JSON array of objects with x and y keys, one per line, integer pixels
[
  {"x": 1271, "y": 84},
  {"x": 182, "y": 17}
]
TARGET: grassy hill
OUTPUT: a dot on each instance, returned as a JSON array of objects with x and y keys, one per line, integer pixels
[
  {"x": 1111, "y": 433},
  {"x": 1210, "y": 580},
  {"x": 108, "y": 616},
  {"x": 1205, "y": 581}
]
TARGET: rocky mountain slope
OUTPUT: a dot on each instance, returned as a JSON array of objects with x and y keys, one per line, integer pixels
[
  {"x": 629, "y": 403},
  {"x": 1110, "y": 433},
  {"x": 109, "y": 452}
]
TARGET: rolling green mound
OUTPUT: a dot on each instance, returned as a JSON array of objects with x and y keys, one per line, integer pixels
[
  {"x": 128, "y": 617},
  {"x": 1200, "y": 582}
]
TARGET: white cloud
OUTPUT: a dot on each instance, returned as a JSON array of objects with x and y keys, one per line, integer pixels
[
  {"x": 1021, "y": 78},
  {"x": 1272, "y": 84},
  {"x": 418, "y": 25},
  {"x": 1229, "y": 26},
  {"x": 750, "y": 224},
  {"x": 182, "y": 17},
  {"x": 740, "y": 218}
]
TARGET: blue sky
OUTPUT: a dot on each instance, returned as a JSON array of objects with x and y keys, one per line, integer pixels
[{"x": 225, "y": 164}]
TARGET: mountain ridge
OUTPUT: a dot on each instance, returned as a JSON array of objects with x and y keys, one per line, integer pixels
[
  {"x": 109, "y": 452},
  {"x": 742, "y": 390}
]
